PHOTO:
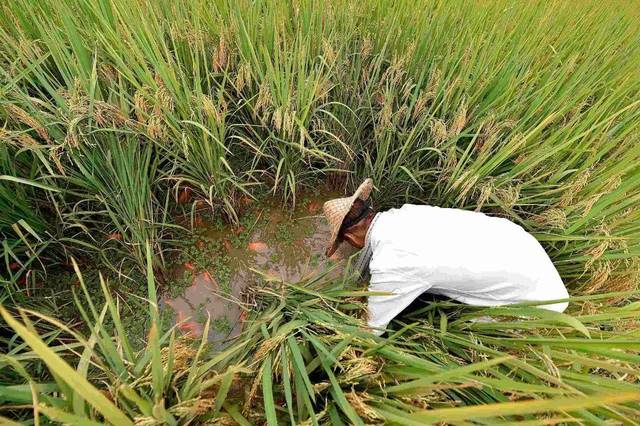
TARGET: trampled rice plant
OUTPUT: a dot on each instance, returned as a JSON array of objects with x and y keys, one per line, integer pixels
[
  {"x": 109, "y": 110},
  {"x": 168, "y": 381},
  {"x": 305, "y": 357}
]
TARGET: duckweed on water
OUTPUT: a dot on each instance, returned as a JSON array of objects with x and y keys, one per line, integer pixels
[
  {"x": 180, "y": 283},
  {"x": 201, "y": 314},
  {"x": 222, "y": 325},
  {"x": 284, "y": 232},
  {"x": 222, "y": 273},
  {"x": 267, "y": 237}
]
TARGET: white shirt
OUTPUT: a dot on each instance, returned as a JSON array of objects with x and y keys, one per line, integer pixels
[{"x": 467, "y": 256}]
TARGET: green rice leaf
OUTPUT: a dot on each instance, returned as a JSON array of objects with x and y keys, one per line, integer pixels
[
  {"x": 267, "y": 392},
  {"x": 565, "y": 404},
  {"x": 92, "y": 395}
]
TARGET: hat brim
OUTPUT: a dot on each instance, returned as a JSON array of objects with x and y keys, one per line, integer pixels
[{"x": 363, "y": 192}]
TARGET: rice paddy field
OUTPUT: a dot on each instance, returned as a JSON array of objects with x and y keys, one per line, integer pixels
[{"x": 150, "y": 147}]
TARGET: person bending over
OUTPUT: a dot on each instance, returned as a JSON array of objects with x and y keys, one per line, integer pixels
[{"x": 467, "y": 256}]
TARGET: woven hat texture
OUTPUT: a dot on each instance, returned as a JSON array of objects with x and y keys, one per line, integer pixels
[{"x": 336, "y": 210}]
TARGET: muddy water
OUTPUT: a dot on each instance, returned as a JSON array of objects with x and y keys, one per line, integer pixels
[{"x": 280, "y": 244}]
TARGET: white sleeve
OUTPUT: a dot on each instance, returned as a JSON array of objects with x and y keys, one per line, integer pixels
[{"x": 382, "y": 309}]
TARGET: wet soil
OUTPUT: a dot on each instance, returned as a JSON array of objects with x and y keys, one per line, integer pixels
[{"x": 212, "y": 274}]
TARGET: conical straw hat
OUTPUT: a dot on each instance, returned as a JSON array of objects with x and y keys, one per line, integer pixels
[{"x": 336, "y": 210}]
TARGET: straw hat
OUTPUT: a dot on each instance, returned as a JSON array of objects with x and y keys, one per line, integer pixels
[{"x": 336, "y": 210}]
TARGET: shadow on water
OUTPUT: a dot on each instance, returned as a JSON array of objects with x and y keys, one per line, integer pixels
[{"x": 285, "y": 245}]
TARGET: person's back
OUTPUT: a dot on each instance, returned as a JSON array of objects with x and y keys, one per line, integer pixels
[{"x": 467, "y": 256}]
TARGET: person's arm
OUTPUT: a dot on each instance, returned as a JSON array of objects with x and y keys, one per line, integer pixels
[{"x": 384, "y": 308}]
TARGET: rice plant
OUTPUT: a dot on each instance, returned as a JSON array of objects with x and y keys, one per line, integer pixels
[
  {"x": 168, "y": 381},
  {"x": 112, "y": 111}
]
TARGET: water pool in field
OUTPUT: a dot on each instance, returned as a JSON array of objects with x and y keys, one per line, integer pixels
[{"x": 220, "y": 262}]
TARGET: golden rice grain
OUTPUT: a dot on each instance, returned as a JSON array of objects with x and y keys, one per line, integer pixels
[
  {"x": 459, "y": 121},
  {"x": 18, "y": 114},
  {"x": 438, "y": 132}
]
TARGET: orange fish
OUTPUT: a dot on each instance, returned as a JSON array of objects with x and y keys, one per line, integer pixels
[
  {"x": 190, "y": 328},
  {"x": 207, "y": 276},
  {"x": 184, "y": 195},
  {"x": 257, "y": 246},
  {"x": 189, "y": 266},
  {"x": 314, "y": 206},
  {"x": 114, "y": 236},
  {"x": 243, "y": 315}
]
